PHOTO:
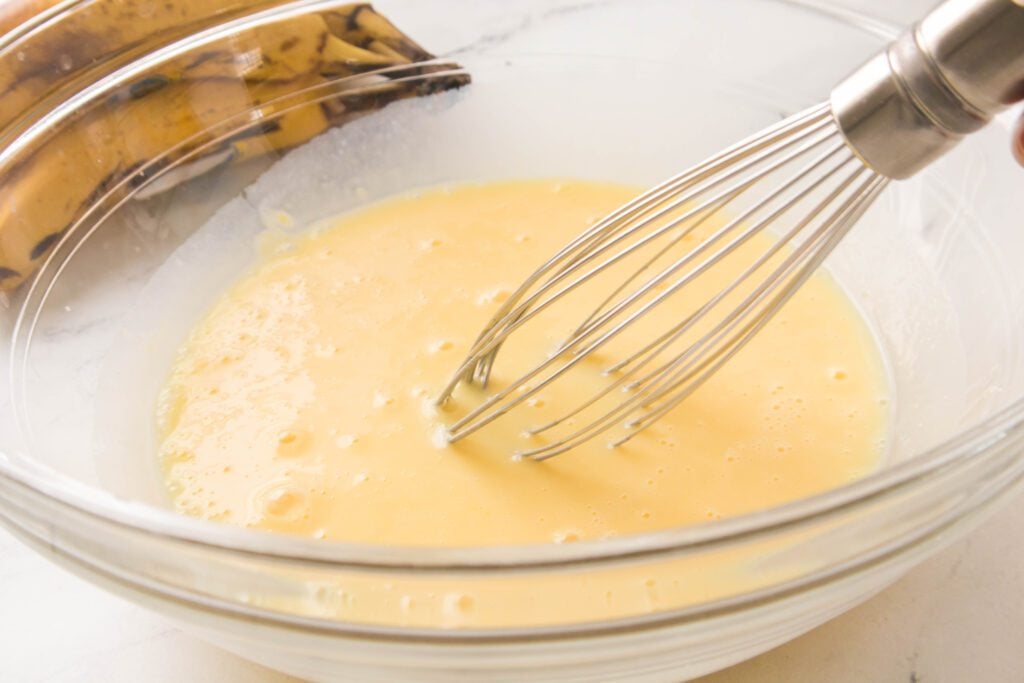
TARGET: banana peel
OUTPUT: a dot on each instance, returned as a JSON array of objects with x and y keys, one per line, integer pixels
[{"x": 284, "y": 75}]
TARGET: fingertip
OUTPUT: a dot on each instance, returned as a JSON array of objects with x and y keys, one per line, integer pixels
[{"x": 1018, "y": 141}]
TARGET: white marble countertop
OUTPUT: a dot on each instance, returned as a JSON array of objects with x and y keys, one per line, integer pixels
[{"x": 958, "y": 617}]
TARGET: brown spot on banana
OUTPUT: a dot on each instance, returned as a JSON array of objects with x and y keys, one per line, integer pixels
[{"x": 43, "y": 245}]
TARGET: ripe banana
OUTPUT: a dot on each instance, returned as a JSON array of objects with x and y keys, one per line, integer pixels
[{"x": 167, "y": 114}]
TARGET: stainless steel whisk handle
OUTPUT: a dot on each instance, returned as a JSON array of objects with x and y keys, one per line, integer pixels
[{"x": 942, "y": 79}]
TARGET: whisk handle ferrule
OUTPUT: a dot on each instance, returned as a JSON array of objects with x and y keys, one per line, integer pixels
[{"x": 941, "y": 80}]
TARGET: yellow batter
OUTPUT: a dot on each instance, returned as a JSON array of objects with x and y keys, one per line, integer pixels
[{"x": 300, "y": 404}]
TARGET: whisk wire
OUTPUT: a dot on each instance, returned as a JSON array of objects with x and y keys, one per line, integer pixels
[
  {"x": 824, "y": 193},
  {"x": 500, "y": 329},
  {"x": 682, "y": 381},
  {"x": 707, "y": 244},
  {"x": 577, "y": 251},
  {"x": 655, "y": 412},
  {"x": 470, "y": 422},
  {"x": 661, "y": 343}
]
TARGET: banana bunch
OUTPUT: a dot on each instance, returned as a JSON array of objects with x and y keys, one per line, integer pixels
[{"x": 263, "y": 89}]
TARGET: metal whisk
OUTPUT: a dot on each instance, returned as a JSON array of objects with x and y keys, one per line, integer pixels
[{"x": 806, "y": 180}]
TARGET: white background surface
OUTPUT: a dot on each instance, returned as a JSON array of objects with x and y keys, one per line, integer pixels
[{"x": 958, "y": 617}]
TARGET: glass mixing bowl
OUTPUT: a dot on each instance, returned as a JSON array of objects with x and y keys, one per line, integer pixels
[{"x": 622, "y": 91}]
